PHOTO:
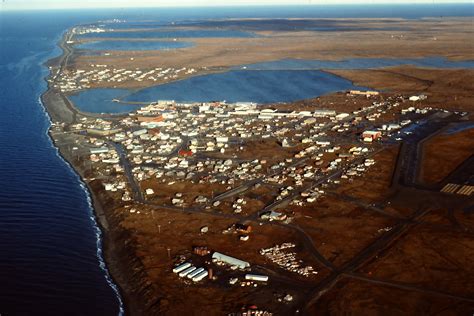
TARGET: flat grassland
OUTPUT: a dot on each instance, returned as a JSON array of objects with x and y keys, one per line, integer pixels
[{"x": 451, "y": 38}]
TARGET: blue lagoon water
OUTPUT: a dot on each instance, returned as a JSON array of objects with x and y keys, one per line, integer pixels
[
  {"x": 359, "y": 63},
  {"x": 167, "y": 33},
  {"x": 234, "y": 86},
  {"x": 51, "y": 261},
  {"x": 266, "y": 86},
  {"x": 101, "y": 101},
  {"x": 133, "y": 45},
  {"x": 269, "y": 82}
]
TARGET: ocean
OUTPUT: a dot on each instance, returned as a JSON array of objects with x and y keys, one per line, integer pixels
[
  {"x": 51, "y": 261},
  {"x": 50, "y": 247}
]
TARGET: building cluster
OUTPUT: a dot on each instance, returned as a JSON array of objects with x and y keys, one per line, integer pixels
[
  {"x": 251, "y": 311},
  {"x": 80, "y": 79},
  {"x": 182, "y": 142},
  {"x": 308, "y": 197},
  {"x": 232, "y": 147},
  {"x": 187, "y": 270},
  {"x": 462, "y": 189},
  {"x": 287, "y": 260},
  {"x": 88, "y": 30},
  {"x": 168, "y": 142}
]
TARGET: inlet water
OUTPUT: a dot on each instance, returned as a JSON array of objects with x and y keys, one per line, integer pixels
[
  {"x": 266, "y": 86},
  {"x": 133, "y": 45},
  {"x": 167, "y": 33},
  {"x": 359, "y": 63},
  {"x": 270, "y": 82}
]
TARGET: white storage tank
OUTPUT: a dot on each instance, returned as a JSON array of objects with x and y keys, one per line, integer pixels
[
  {"x": 195, "y": 272},
  {"x": 181, "y": 267},
  {"x": 200, "y": 276},
  {"x": 184, "y": 273}
]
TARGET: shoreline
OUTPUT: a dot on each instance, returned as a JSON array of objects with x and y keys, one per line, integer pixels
[{"x": 58, "y": 109}]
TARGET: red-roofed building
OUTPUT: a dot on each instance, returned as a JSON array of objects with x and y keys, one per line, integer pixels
[{"x": 185, "y": 153}]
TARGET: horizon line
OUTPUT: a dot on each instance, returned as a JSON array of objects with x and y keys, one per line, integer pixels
[{"x": 2, "y": 8}]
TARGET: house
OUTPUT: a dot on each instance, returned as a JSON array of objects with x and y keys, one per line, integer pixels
[
  {"x": 369, "y": 136},
  {"x": 140, "y": 132},
  {"x": 415, "y": 98},
  {"x": 185, "y": 153},
  {"x": 285, "y": 143},
  {"x": 241, "y": 228},
  {"x": 222, "y": 139},
  {"x": 342, "y": 116},
  {"x": 274, "y": 216}
]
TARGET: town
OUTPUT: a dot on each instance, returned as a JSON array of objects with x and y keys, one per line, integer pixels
[
  {"x": 98, "y": 74},
  {"x": 259, "y": 208},
  {"x": 244, "y": 162}
]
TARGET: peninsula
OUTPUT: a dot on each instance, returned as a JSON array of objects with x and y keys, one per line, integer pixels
[{"x": 358, "y": 198}]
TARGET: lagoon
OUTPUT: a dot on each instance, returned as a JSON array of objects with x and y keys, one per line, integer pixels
[
  {"x": 133, "y": 45},
  {"x": 268, "y": 86},
  {"x": 359, "y": 63},
  {"x": 279, "y": 81},
  {"x": 100, "y": 101},
  {"x": 171, "y": 33}
]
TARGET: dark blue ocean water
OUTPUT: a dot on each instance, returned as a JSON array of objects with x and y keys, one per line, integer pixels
[
  {"x": 133, "y": 45},
  {"x": 50, "y": 262}
]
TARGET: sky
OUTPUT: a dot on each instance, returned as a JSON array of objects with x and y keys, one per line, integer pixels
[{"x": 59, "y": 4}]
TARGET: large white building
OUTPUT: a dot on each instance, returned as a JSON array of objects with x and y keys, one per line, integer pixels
[{"x": 217, "y": 256}]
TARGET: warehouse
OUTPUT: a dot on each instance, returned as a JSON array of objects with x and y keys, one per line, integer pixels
[
  {"x": 219, "y": 257},
  {"x": 100, "y": 150},
  {"x": 256, "y": 277}
]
